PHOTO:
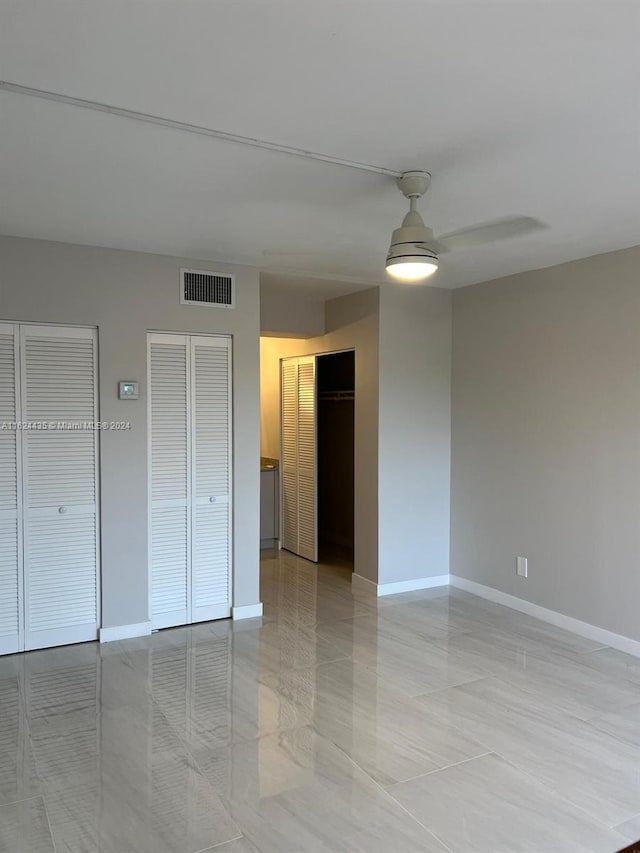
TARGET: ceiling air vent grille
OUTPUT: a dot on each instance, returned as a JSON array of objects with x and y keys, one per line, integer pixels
[{"x": 199, "y": 287}]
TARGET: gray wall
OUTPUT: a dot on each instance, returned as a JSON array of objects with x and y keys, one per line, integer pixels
[
  {"x": 124, "y": 294},
  {"x": 291, "y": 315},
  {"x": 546, "y": 437},
  {"x": 414, "y": 432}
]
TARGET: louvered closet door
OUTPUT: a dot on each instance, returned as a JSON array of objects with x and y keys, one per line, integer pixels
[
  {"x": 307, "y": 454},
  {"x": 190, "y": 469},
  {"x": 289, "y": 455},
  {"x": 58, "y": 373},
  {"x": 211, "y": 481},
  {"x": 169, "y": 443},
  {"x": 10, "y": 509},
  {"x": 298, "y": 455}
]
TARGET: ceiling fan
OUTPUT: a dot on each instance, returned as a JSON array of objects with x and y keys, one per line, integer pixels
[{"x": 414, "y": 251}]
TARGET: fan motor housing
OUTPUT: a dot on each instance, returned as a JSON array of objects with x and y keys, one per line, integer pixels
[{"x": 413, "y": 231}]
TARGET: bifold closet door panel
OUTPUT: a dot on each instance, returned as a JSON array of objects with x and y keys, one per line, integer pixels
[
  {"x": 211, "y": 486},
  {"x": 59, "y": 473},
  {"x": 169, "y": 443},
  {"x": 298, "y": 457},
  {"x": 289, "y": 455},
  {"x": 10, "y": 509},
  {"x": 307, "y": 456}
]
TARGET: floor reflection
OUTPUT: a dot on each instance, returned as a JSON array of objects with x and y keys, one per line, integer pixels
[{"x": 338, "y": 722}]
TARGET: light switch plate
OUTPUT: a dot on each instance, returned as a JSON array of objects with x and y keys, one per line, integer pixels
[
  {"x": 522, "y": 567},
  {"x": 128, "y": 390}
]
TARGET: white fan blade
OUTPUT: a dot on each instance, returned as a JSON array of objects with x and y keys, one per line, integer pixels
[{"x": 502, "y": 229}]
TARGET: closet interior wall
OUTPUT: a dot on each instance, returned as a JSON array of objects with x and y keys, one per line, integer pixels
[{"x": 336, "y": 413}]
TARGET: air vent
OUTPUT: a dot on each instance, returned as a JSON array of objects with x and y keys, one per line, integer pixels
[{"x": 200, "y": 287}]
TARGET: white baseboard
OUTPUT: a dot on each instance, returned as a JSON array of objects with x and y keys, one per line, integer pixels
[
  {"x": 363, "y": 584},
  {"x": 125, "y": 632},
  {"x": 247, "y": 611},
  {"x": 411, "y": 586},
  {"x": 560, "y": 620}
]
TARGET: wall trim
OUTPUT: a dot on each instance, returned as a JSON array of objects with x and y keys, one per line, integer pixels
[
  {"x": 125, "y": 632},
  {"x": 247, "y": 611},
  {"x": 410, "y": 586},
  {"x": 553, "y": 617},
  {"x": 381, "y": 589}
]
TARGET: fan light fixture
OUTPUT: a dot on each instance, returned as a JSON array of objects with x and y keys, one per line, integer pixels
[
  {"x": 411, "y": 267},
  {"x": 410, "y": 257}
]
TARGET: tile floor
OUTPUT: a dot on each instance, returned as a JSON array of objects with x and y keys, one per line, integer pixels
[{"x": 429, "y": 721}]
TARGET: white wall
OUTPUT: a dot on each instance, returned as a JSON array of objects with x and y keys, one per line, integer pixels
[
  {"x": 352, "y": 322},
  {"x": 124, "y": 294},
  {"x": 414, "y": 432},
  {"x": 546, "y": 437}
]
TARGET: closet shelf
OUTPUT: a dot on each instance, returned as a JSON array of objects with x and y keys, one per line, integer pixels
[{"x": 336, "y": 395}]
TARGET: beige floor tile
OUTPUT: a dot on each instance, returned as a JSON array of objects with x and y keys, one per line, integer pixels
[
  {"x": 591, "y": 769},
  {"x": 488, "y": 806},
  {"x": 298, "y": 792},
  {"x": 24, "y": 828},
  {"x": 383, "y": 730}
]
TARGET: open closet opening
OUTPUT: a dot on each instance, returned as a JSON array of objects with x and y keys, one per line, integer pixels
[
  {"x": 317, "y": 457},
  {"x": 335, "y": 383}
]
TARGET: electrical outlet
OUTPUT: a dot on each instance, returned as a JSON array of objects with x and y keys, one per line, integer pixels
[{"x": 522, "y": 567}]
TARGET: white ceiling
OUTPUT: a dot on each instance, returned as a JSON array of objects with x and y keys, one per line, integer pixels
[{"x": 517, "y": 108}]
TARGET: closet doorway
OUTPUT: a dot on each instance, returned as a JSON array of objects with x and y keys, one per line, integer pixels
[
  {"x": 317, "y": 457},
  {"x": 335, "y": 376}
]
